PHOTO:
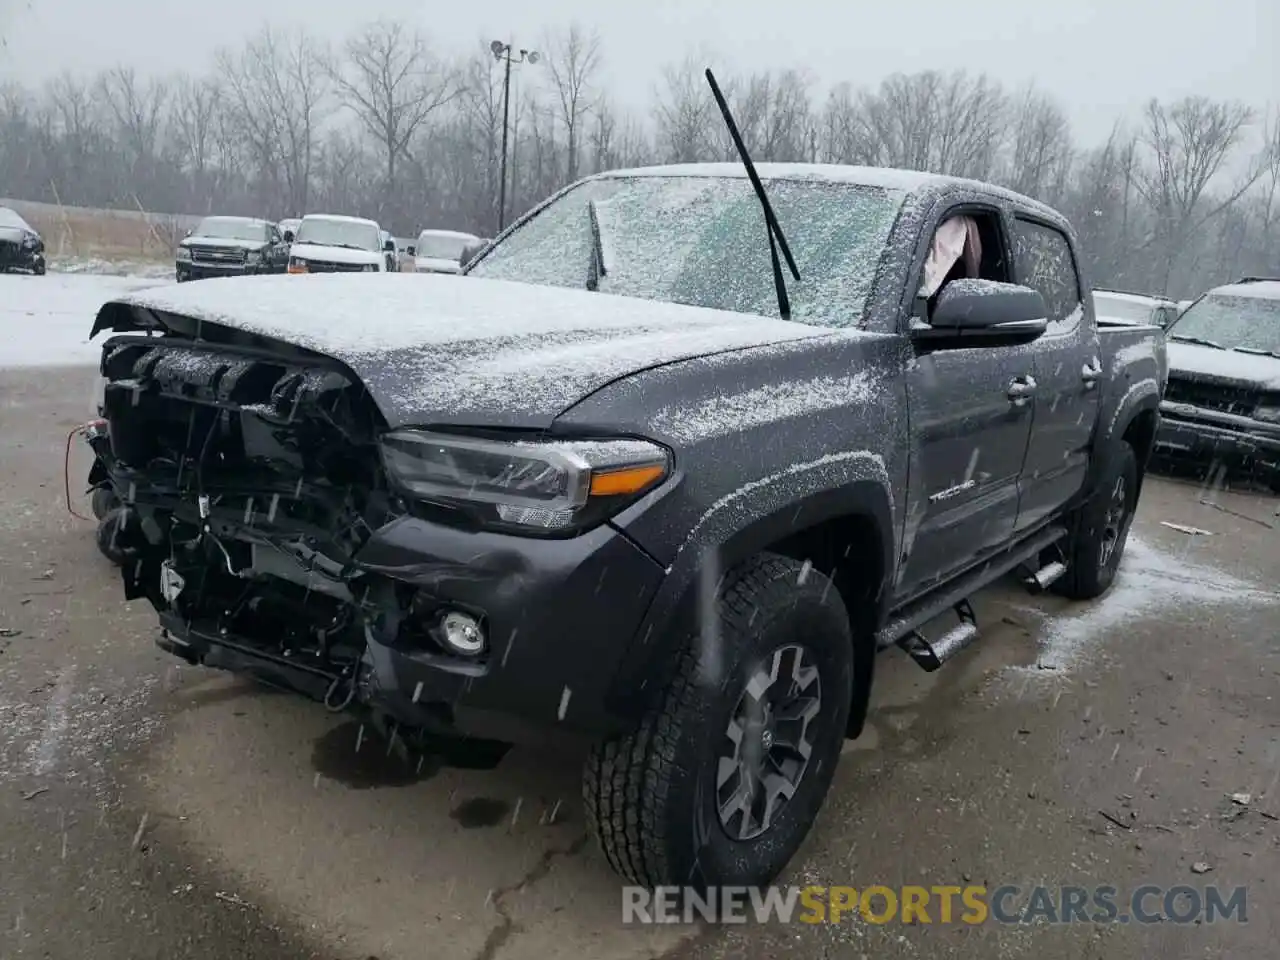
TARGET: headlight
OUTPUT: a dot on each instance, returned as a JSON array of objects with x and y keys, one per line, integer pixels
[
  {"x": 1267, "y": 414},
  {"x": 253, "y": 256},
  {"x": 533, "y": 486},
  {"x": 183, "y": 254},
  {"x": 297, "y": 266}
]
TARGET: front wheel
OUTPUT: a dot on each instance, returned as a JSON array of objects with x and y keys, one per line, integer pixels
[
  {"x": 1102, "y": 528},
  {"x": 39, "y": 268},
  {"x": 720, "y": 782}
]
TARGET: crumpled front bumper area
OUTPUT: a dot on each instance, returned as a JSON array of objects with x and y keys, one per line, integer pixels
[
  {"x": 1209, "y": 436},
  {"x": 261, "y": 529}
]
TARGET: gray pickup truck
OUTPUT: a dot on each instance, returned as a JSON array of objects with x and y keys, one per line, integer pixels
[{"x": 682, "y": 450}]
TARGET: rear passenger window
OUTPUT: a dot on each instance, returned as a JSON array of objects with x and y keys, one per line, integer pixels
[{"x": 1044, "y": 262}]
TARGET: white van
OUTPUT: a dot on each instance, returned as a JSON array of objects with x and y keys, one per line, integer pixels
[
  {"x": 328, "y": 243},
  {"x": 440, "y": 251}
]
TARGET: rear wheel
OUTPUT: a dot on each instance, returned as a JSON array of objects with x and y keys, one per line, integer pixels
[
  {"x": 720, "y": 782},
  {"x": 1102, "y": 528}
]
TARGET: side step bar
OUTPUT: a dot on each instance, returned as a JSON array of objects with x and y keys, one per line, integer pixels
[
  {"x": 932, "y": 654},
  {"x": 915, "y": 615}
]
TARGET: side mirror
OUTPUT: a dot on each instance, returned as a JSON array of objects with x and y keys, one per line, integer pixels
[
  {"x": 411, "y": 251},
  {"x": 389, "y": 246},
  {"x": 987, "y": 310},
  {"x": 288, "y": 236}
]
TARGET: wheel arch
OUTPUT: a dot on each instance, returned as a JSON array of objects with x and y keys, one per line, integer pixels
[{"x": 846, "y": 533}]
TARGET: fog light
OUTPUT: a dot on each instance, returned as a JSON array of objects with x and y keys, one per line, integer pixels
[{"x": 462, "y": 634}]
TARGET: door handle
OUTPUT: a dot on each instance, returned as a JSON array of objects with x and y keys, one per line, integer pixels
[
  {"x": 1021, "y": 390},
  {"x": 1091, "y": 372}
]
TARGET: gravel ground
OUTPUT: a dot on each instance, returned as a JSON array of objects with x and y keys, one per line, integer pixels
[{"x": 149, "y": 809}]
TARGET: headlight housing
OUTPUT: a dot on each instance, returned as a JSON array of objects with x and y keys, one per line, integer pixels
[
  {"x": 253, "y": 256},
  {"x": 1267, "y": 413},
  {"x": 183, "y": 254},
  {"x": 534, "y": 488},
  {"x": 297, "y": 266}
]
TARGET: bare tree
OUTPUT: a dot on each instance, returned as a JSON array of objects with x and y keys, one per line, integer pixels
[
  {"x": 572, "y": 61},
  {"x": 278, "y": 84},
  {"x": 393, "y": 83},
  {"x": 683, "y": 113},
  {"x": 138, "y": 111},
  {"x": 1040, "y": 147},
  {"x": 195, "y": 116},
  {"x": 1189, "y": 141}
]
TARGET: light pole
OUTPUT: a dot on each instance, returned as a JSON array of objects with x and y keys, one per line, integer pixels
[{"x": 503, "y": 51}]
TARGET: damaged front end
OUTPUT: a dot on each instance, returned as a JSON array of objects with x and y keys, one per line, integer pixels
[
  {"x": 283, "y": 531},
  {"x": 250, "y": 484}
]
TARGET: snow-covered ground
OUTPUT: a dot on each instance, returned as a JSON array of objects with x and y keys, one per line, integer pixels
[{"x": 45, "y": 321}]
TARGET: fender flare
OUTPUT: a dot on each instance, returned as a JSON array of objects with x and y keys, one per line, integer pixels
[
  {"x": 1142, "y": 396},
  {"x": 748, "y": 525}
]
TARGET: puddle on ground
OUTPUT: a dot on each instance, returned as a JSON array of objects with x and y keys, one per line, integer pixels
[
  {"x": 356, "y": 755},
  {"x": 480, "y": 812}
]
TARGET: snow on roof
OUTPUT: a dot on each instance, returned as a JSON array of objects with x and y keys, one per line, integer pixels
[
  {"x": 341, "y": 218},
  {"x": 256, "y": 221},
  {"x": 11, "y": 218},
  {"x": 451, "y": 234},
  {"x": 1138, "y": 298},
  {"x": 1263, "y": 289},
  {"x": 886, "y": 178}
]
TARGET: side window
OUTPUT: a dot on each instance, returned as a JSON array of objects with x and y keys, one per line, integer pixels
[{"x": 1044, "y": 262}]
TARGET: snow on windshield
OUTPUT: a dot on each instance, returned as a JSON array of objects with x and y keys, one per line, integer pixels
[
  {"x": 702, "y": 241},
  {"x": 441, "y": 246},
  {"x": 338, "y": 233},
  {"x": 1240, "y": 323},
  {"x": 10, "y": 218},
  {"x": 230, "y": 228}
]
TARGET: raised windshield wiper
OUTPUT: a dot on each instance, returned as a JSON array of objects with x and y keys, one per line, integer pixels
[
  {"x": 776, "y": 239},
  {"x": 598, "y": 267},
  {"x": 1199, "y": 341}
]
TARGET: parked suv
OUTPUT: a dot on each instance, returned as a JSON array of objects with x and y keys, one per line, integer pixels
[
  {"x": 1137, "y": 308},
  {"x": 328, "y": 243},
  {"x": 649, "y": 477},
  {"x": 230, "y": 246},
  {"x": 441, "y": 251},
  {"x": 1223, "y": 401},
  {"x": 21, "y": 247}
]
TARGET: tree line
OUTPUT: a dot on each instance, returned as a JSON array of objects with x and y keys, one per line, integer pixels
[{"x": 1179, "y": 197}]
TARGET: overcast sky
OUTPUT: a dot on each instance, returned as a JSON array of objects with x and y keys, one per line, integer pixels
[{"x": 1101, "y": 58}]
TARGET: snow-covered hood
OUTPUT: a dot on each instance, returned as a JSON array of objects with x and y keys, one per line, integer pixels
[
  {"x": 1249, "y": 370},
  {"x": 224, "y": 243},
  {"x": 436, "y": 265},
  {"x": 318, "y": 251},
  {"x": 437, "y": 349},
  {"x": 12, "y": 234}
]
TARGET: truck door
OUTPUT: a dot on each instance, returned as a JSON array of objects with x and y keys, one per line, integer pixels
[
  {"x": 970, "y": 414},
  {"x": 1068, "y": 372}
]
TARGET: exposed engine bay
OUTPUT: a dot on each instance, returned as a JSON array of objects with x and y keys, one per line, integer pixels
[{"x": 250, "y": 482}]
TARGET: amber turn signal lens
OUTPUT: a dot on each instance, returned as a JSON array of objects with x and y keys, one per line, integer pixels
[{"x": 627, "y": 480}]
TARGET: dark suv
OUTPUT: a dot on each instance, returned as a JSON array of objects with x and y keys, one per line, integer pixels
[
  {"x": 1222, "y": 406},
  {"x": 231, "y": 246}
]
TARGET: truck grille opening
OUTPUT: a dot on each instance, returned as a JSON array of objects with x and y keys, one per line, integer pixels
[
  {"x": 1212, "y": 396},
  {"x": 257, "y": 479}
]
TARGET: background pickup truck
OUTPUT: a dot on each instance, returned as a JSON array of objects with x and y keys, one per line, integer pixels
[{"x": 629, "y": 482}]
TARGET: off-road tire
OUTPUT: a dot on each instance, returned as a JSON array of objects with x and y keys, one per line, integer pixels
[
  {"x": 102, "y": 501},
  {"x": 39, "y": 269},
  {"x": 650, "y": 794},
  {"x": 107, "y": 539},
  {"x": 1089, "y": 574}
]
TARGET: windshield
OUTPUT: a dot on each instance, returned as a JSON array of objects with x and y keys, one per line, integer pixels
[
  {"x": 703, "y": 241},
  {"x": 1121, "y": 308},
  {"x": 1237, "y": 323},
  {"x": 230, "y": 228},
  {"x": 440, "y": 246},
  {"x": 10, "y": 218},
  {"x": 339, "y": 233}
]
